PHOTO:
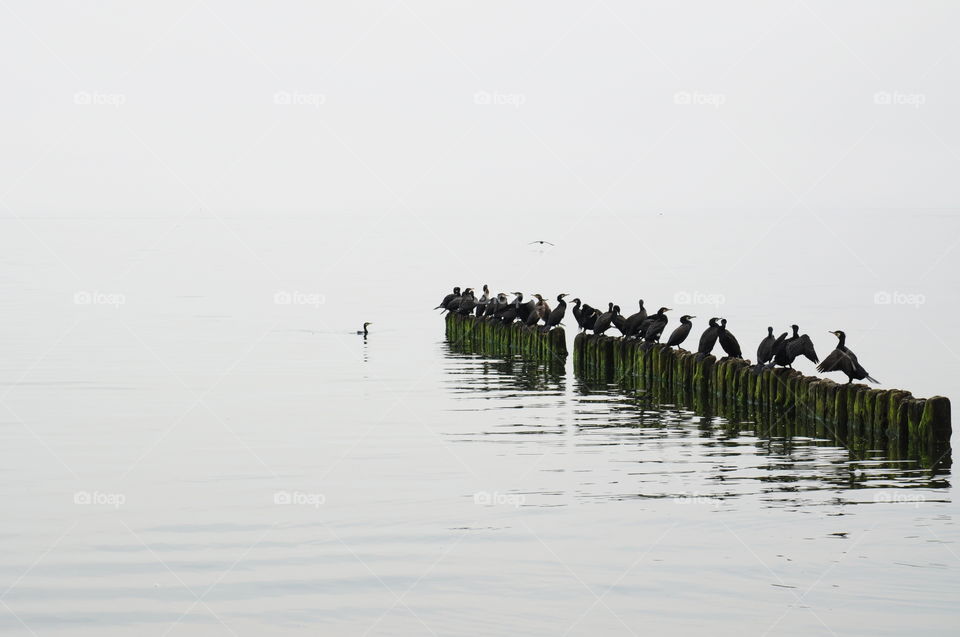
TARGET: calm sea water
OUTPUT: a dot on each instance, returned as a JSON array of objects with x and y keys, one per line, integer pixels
[{"x": 194, "y": 441}]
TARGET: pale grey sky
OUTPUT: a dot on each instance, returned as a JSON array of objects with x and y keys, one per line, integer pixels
[{"x": 126, "y": 110}]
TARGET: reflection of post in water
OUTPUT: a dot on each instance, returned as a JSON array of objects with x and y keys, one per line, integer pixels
[
  {"x": 520, "y": 373},
  {"x": 781, "y": 402}
]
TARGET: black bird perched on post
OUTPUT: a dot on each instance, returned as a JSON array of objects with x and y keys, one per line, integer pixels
[
  {"x": 632, "y": 325},
  {"x": 680, "y": 334},
  {"x": 653, "y": 326},
  {"x": 553, "y": 319},
  {"x": 484, "y": 299},
  {"x": 708, "y": 339},
  {"x": 524, "y": 309},
  {"x": 765, "y": 349},
  {"x": 728, "y": 341},
  {"x": 590, "y": 315},
  {"x": 511, "y": 310},
  {"x": 842, "y": 359},
  {"x": 454, "y": 304},
  {"x": 446, "y": 300},
  {"x": 540, "y": 311},
  {"x": 578, "y": 313},
  {"x": 364, "y": 330},
  {"x": 604, "y": 320},
  {"x": 467, "y": 302},
  {"x": 786, "y": 350},
  {"x": 495, "y": 304},
  {"x": 619, "y": 322}
]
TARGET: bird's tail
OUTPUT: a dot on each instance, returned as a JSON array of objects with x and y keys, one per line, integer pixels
[{"x": 872, "y": 379}]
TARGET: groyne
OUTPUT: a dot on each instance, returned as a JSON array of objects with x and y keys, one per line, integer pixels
[
  {"x": 492, "y": 337},
  {"x": 781, "y": 401}
]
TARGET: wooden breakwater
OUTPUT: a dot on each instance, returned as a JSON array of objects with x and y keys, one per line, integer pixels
[
  {"x": 491, "y": 337},
  {"x": 782, "y": 401}
]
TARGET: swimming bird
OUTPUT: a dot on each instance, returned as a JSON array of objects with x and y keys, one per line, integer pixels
[
  {"x": 728, "y": 341},
  {"x": 364, "y": 330},
  {"x": 680, "y": 334},
  {"x": 634, "y": 320},
  {"x": 556, "y": 315},
  {"x": 653, "y": 326},
  {"x": 446, "y": 300},
  {"x": 842, "y": 359},
  {"x": 708, "y": 339}
]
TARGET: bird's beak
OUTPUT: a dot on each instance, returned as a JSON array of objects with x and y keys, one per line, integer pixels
[
  {"x": 691, "y": 317},
  {"x": 669, "y": 309}
]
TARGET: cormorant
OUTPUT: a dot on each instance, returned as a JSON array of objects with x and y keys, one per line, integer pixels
[
  {"x": 509, "y": 312},
  {"x": 524, "y": 310},
  {"x": 604, "y": 320},
  {"x": 540, "y": 311},
  {"x": 765, "y": 349},
  {"x": 635, "y": 320},
  {"x": 553, "y": 319},
  {"x": 844, "y": 360},
  {"x": 653, "y": 326},
  {"x": 540, "y": 242},
  {"x": 495, "y": 304},
  {"x": 786, "y": 351},
  {"x": 446, "y": 300},
  {"x": 364, "y": 330},
  {"x": 619, "y": 321},
  {"x": 467, "y": 302},
  {"x": 578, "y": 313},
  {"x": 728, "y": 341},
  {"x": 680, "y": 334},
  {"x": 590, "y": 315},
  {"x": 708, "y": 339},
  {"x": 484, "y": 299}
]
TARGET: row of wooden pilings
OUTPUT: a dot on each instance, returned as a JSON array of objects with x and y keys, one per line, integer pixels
[
  {"x": 485, "y": 336},
  {"x": 780, "y": 402}
]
